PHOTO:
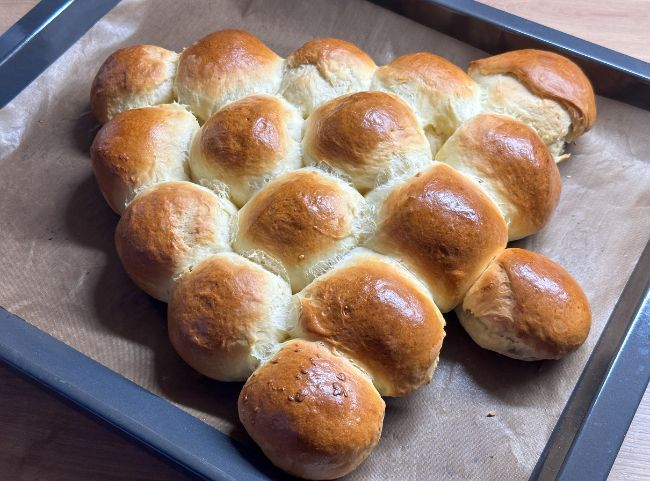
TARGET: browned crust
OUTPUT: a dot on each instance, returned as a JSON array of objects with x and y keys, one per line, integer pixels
[
  {"x": 297, "y": 216},
  {"x": 510, "y": 155},
  {"x": 159, "y": 229},
  {"x": 127, "y": 149},
  {"x": 444, "y": 228},
  {"x": 330, "y": 54},
  {"x": 547, "y": 309},
  {"x": 312, "y": 413},
  {"x": 247, "y": 137},
  {"x": 437, "y": 73},
  {"x": 550, "y": 76},
  {"x": 348, "y": 131},
  {"x": 128, "y": 72},
  {"x": 214, "y": 312},
  {"x": 376, "y": 314}
]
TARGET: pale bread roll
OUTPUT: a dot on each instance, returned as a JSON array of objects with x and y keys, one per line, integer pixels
[
  {"x": 439, "y": 92},
  {"x": 323, "y": 69},
  {"x": 543, "y": 89}
]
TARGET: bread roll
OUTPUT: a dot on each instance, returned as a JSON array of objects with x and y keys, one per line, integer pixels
[
  {"x": 368, "y": 137},
  {"x": 439, "y": 92},
  {"x": 441, "y": 226},
  {"x": 323, "y": 69},
  {"x": 169, "y": 228},
  {"x": 247, "y": 143},
  {"x": 225, "y": 66},
  {"x": 300, "y": 223},
  {"x": 512, "y": 165},
  {"x": 543, "y": 89},
  {"x": 132, "y": 77},
  {"x": 526, "y": 307},
  {"x": 313, "y": 413},
  {"x": 141, "y": 147},
  {"x": 227, "y": 315},
  {"x": 380, "y": 315}
]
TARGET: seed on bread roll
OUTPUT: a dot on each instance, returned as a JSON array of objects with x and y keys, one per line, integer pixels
[
  {"x": 227, "y": 315},
  {"x": 132, "y": 77},
  {"x": 169, "y": 228},
  {"x": 368, "y": 137},
  {"x": 323, "y": 69},
  {"x": 299, "y": 223},
  {"x": 380, "y": 315},
  {"x": 224, "y": 66},
  {"x": 312, "y": 412},
  {"x": 440, "y": 93},
  {"x": 543, "y": 89},
  {"x": 512, "y": 165},
  {"x": 141, "y": 147},
  {"x": 526, "y": 307},
  {"x": 246, "y": 144},
  {"x": 443, "y": 227}
]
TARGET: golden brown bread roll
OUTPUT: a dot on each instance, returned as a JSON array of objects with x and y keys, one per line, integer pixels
[
  {"x": 543, "y": 89},
  {"x": 380, "y": 315},
  {"x": 368, "y": 137},
  {"x": 313, "y": 413},
  {"x": 246, "y": 144},
  {"x": 167, "y": 229},
  {"x": 140, "y": 147},
  {"x": 132, "y": 77},
  {"x": 323, "y": 69},
  {"x": 512, "y": 165},
  {"x": 440, "y": 93},
  {"x": 224, "y": 66},
  {"x": 227, "y": 315},
  {"x": 526, "y": 307},
  {"x": 442, "y": 227},
  {"x": 299, "y": 223}
]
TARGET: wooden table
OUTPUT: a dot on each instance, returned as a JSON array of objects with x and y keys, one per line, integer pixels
[{"x": 44, "y": 438}]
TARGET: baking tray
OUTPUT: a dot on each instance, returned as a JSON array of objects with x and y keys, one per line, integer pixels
[{"x": 587, "y": 437}]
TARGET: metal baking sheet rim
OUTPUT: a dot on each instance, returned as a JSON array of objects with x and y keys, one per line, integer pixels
[{"x": 581, "y": 448}]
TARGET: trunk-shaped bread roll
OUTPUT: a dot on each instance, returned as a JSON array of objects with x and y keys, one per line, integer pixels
[
  {"x": 132, "y": 77},
  {"x": 300, "y": 223},
  {"x": 246, "y": 144},
  {"x": 368, "y": 137},
  {"x": 141, "y": 147},
  {"x": 526, "y": 307},
  {"x": 323, "y": 69},
  {"x": 443, "y": 227},
  {"x": 440, "y": 93},
  {"x": 313, "y": 413},
  {"x": 512, "y": 165},
  {"x": 380, "y": 315},
  {"x": 225, "y": 66},
  {"x": 227, "y": 315},
  {"x": 543, "y": 89},
  {"x": 169, "y": 228}
]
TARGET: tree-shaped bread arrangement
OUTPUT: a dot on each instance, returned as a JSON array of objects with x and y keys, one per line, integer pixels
[{"x": 308, "y": 220}]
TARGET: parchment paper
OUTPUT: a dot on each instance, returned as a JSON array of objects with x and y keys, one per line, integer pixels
[{"x": 60, "y": 272}]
